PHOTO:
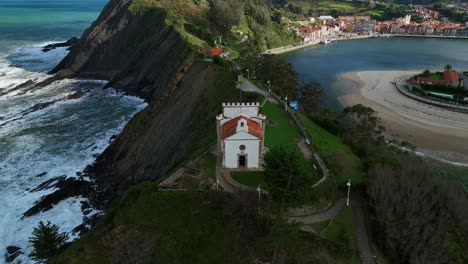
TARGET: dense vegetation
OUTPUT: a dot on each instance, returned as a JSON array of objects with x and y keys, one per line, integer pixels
[
  {"x": 416, "y": 204},
  {"x": 288, "y": 178},
  {"x": 148, "y": 226},
  {"x": 242, "y": 25}
]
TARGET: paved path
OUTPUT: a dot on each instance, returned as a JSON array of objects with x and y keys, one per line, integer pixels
[
  {"x": 364, "y": 248},
  {"x": 247, "y": 86},
  {"x": 327, "y": 215},
  {"x": 305, "y": 149},
  {"x": 362, "y": 240}
]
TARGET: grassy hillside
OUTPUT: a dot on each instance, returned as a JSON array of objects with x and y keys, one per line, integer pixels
[
  {"x": 151, "y": 226},
  {"x": 242, "y": 25},
  {"x": 339, "y": 156}
]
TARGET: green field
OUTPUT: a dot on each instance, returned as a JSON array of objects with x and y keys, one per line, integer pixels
[
  {"x": 250, "y": 178},
  {"x": 329, "y": 5},
  {"x": 327, "y": 144},
  {"x": 436, "y": 76},
  {"x": 280, "y": 130}
]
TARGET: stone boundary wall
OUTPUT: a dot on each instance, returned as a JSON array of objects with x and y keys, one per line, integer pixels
[
  {"x": 308, "y": 210},
  {"x": 237, "y": 185},
  {"x": 174, "y": 176}
]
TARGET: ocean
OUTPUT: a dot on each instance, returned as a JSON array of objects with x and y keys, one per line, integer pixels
[{"x": 62, "y": 138}]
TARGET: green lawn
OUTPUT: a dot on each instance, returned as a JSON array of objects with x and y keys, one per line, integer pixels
[
  {"x": 449, "y": 173},
  {"x": 250, "y": 178},
  {"x": 208, "y": 165},
  {"x": 280, "y": 130},
  {"x": 327, "y": 144},
  {"x": 436, "y": 76},
  {"x": 342, "y": 232}
]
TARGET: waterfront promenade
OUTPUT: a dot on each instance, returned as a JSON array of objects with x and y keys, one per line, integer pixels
[
  {"x": 401, "y": 83},
  {"x": 290, "y": 48}
]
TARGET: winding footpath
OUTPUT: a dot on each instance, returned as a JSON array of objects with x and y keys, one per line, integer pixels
[{"x": 362, "y": 240}]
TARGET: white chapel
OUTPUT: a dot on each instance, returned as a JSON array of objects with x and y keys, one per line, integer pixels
[{"x": 241, "y": 130}]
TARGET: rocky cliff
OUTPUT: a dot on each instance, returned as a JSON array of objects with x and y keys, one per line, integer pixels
[
  {"x": 143, "y": 56},
  {"x": 138, "y": 54}
]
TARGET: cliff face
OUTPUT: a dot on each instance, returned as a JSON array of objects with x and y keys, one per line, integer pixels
[
  {"x": 144, "y": 56},
  {"x": 137, "y": 54},
  {"x": 165, "y": 132}
]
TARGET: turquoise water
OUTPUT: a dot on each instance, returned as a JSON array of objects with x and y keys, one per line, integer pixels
[
  {"x": 60, "y": 139},
  {"x": 325, "y": 63}
]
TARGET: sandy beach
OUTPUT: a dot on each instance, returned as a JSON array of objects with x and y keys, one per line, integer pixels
[{"x": 437, "y": 132}]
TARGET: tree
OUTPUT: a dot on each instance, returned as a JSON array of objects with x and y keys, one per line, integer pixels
[
  {"x": 285, "y": 173},
  {"x": 410, "y": 215},
  {"x": 448, "y": 67},
  {"x": 310, "y": 96},
  {"x": 283, "y": 77},
  {"x": 362, "y": 122},
  {"x": 46, "y": 241},
  {"x": 426, "y": 73},
  {"x": 226, "y": 13}
]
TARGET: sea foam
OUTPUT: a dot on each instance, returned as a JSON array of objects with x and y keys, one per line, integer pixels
[{"x": 60, "y": 139}]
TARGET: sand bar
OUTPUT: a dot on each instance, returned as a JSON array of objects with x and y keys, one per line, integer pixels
[{"x": 436, "y": 131}]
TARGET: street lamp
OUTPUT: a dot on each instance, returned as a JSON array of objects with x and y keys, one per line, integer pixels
[
  {"x": 217, "y": 184},
  {"x": 248, "y": 74},
  {"x": 286, "y": 105},
  {"x": 349, "y": 188},
  {"x": 269, "y": 86}
]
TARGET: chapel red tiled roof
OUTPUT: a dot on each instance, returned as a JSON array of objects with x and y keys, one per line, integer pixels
[
  {"x": 229, "y": 128},
  {"x": 450, "y": 76}
]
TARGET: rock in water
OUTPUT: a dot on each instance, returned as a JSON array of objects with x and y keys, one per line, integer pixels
[
  {"x": 69, "y": 43},
  {"x": 67, "y": 187},
  {"x": 12, "y": 253}
]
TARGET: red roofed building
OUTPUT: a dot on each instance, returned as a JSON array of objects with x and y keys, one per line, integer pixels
[
  {"x": 216, "y": 51},
  {"x": 450, "y": 77},
  {"x": 241, "y": 130}
]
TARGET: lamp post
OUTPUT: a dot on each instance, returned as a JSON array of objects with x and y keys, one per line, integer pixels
[
  {"x": 259, "y": 190},
  {"x": 217, "y": 184},
  {"x": 248, "y": 74},
  {"x": 349, "y": 189},
  {"x": 286, "y": 105},
  {"x": 269, "y": 86}
]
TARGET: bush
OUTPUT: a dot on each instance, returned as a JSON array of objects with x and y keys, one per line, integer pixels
[
  {"x": 286, "y": 174},
  {"x": 140, "y": 7}
]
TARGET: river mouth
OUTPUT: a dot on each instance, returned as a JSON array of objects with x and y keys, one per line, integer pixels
[
  {"x": 46, "y": 133},
  {"x": 437, "y": 133}
]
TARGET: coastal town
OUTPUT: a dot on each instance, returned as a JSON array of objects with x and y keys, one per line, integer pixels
[{"x": 325, "y": 29}]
